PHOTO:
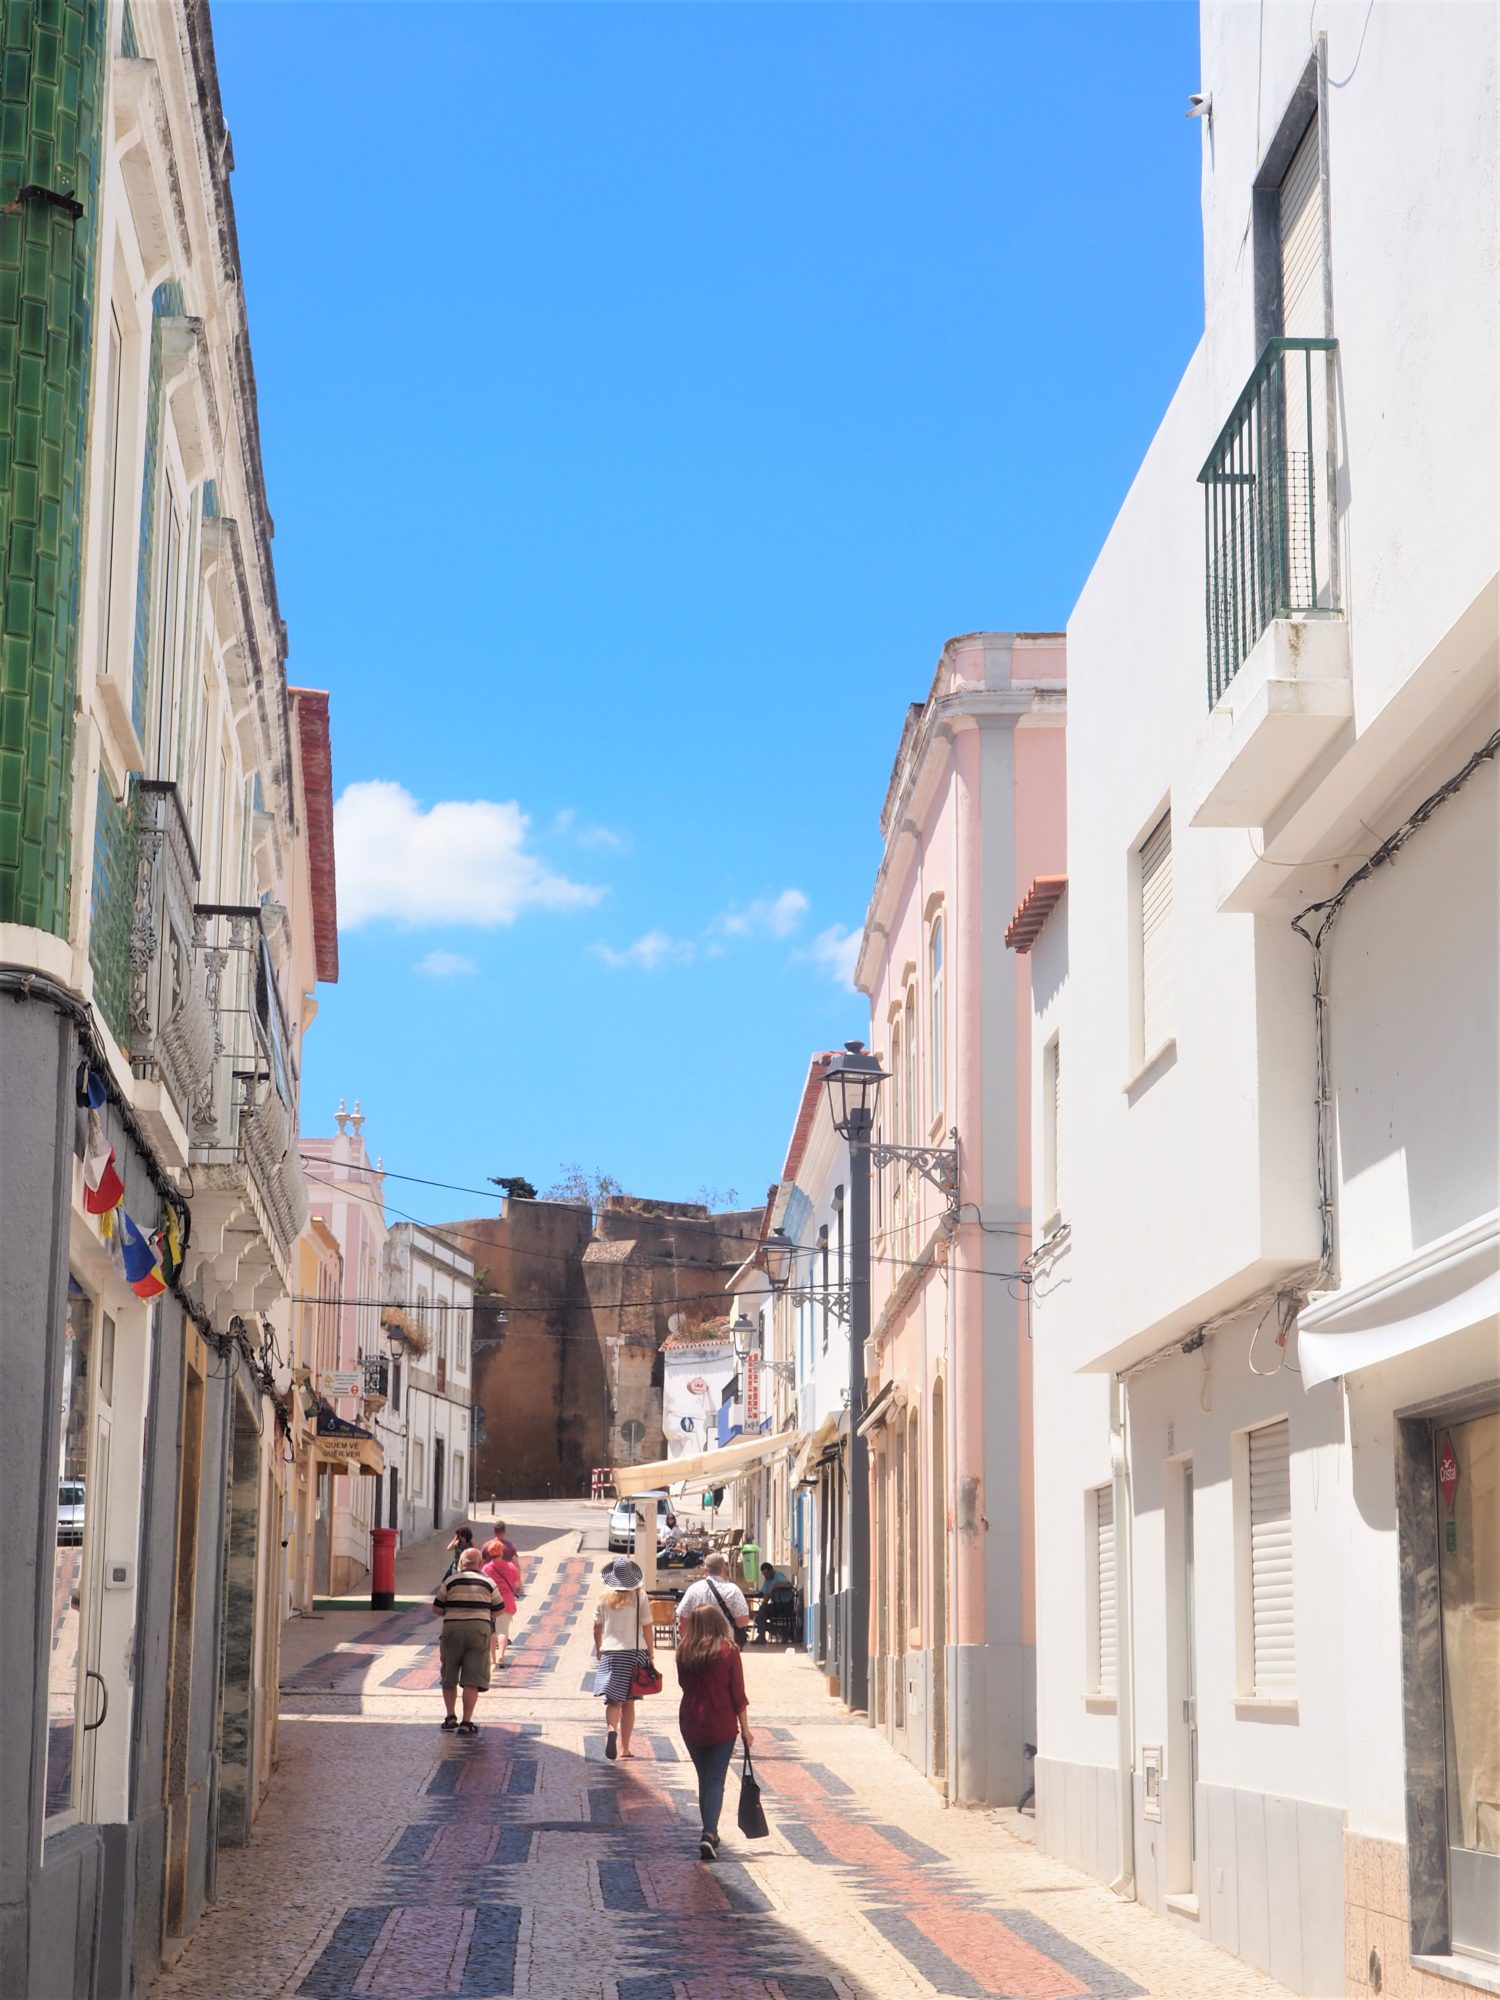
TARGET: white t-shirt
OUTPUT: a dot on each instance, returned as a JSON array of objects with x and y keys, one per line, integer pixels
[
  {"x": 730, "y": 1599},
  {"x": 621, "y": 1630}
]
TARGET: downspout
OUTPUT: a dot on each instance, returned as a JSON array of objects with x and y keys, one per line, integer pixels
[
  {"x": 950, "y": 1513},
  {"x": 1119, "y": 1459}
]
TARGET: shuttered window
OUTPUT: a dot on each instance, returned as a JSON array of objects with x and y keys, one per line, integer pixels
[
  {"x": 1051, "y": 1122},
  {"x": 1301, "y": 229},
  {"x": 1271, "y": 1634},
  {"x": 1057, "y": 1125},
  {"x": 1106, "y": 1647},
  {"x": 1156, "y": 937}
]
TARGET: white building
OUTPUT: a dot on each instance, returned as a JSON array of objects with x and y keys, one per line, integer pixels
[
  {"x": 432, "y": 1281},
  {"x": 1267, "y": 1386}
]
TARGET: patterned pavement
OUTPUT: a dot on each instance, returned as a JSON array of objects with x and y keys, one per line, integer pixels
[{"x": 393, "y": 1861}]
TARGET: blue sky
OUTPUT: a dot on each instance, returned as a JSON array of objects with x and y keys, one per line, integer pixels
[{"x": 646, "y": 393}]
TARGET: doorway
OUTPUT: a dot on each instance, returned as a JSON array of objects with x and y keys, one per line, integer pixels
[
  {"x": 439, "y": 1448},
  {"x": 1180, "y": 1781},
  {"x": 1466, "y": 1471},
  {"x": 179, "y": 1917},
  {"x": 939, "y": 1585}
]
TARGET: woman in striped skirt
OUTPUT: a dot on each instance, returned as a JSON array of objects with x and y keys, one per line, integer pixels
[{"x": 622, "y": 1641}]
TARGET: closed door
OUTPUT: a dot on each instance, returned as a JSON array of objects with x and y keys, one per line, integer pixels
[{"x": 1190, "y": 1667}]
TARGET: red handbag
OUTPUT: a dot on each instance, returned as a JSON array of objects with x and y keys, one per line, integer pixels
[{"x": 644, "y": 1679}]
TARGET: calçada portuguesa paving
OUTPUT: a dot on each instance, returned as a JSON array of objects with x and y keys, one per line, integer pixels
[{"x": 394, "y": 1861}]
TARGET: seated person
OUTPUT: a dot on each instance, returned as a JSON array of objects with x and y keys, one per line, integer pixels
[
  {"x": 776, "y": 1592},
  {"x": 717, "y": 1587}
]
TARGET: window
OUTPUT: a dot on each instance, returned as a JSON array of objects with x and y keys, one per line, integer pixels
[
  {"x": 418, "y": 1468},
  {"x": 1266, "y": 1640},
  {"x": 912, "y": 1135},
  {"x": 935, "y": 1020},
  {"x": 460, "y": 1491},
  {"x": 395, "y": 1387},
  {"x": 1299, "y": 229},
  {"x": 1051, "y": 1123},
  {"x": 913, "y": 1536},
  {"x": 461, "y": 1338},
  {"x": 166, "y": 653},
  {"x": 1103, "y": 1634},
  {"x": 106, "y": 554},
  {"x": 1155, "y": 935}
]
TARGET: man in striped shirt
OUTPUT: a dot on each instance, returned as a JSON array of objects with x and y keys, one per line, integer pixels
[{"x": 467, "y": 1602}]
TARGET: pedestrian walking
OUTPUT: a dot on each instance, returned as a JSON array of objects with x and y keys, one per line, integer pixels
[
  {"x": 468, "y": 1603},
  {"x": 461, "y": 1539},
  {"x": 622, "y": 1642},
  {"x": 714, "y": 1712},
  {"x": 506, "y": 1577},
  {"x": 718, "y": 1588},
  {"x": 507, "y": 1546}
]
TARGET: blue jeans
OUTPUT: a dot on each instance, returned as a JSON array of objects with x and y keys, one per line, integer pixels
[{"x": 711, "y": 1761}]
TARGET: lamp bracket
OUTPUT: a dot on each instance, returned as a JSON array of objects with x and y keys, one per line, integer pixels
[
  {"x": 835, "y": 1298},
  {"x": 938, "y": 1164}
]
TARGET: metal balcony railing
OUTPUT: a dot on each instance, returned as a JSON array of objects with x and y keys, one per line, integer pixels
[
  {"x": 244, "y": 1116},
  {"x": 1268, "y": 509},
  {"x": 171, "y": 1025}
]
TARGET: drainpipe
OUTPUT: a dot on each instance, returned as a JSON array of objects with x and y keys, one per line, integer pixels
[{"x": 1119, "y": 1459}]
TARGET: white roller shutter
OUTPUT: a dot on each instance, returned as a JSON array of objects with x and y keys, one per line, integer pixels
[
  {"x": 1301, "y": 223},
  {"x": 1156, "y": 937},
  {"x": 1107, "y": 1664},
  {"x": 1057, "y": 1125},
  {"x": 1274, "y": 1652}
]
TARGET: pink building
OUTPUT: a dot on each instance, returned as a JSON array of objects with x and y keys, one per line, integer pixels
[
  {"x": 975, "y": 812},
  {"x": 347, "y": 1190}
]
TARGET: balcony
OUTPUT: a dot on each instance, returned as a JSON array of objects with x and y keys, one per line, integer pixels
[
  {"x": 251, "y": 1193},
  {"x": 171, "y": 1024},
  {"x": 1279, "y": 689}
]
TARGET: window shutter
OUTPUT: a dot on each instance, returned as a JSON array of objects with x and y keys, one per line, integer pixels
[
  {"x": 1301, "y": 222},
  {"x": 1156, "y": 937},
  {"x": 1107, "y": 1667},
  {"x": 1271, "y": 1561}
]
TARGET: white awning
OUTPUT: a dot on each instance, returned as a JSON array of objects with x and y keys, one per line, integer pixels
[
  {"x": 813, "y": 1444},
  {"x": 1446, "y": 1287},
  {"x": 714, "y": 1468}
]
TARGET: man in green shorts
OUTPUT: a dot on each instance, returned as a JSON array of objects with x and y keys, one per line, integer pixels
[{"x": 467, "y": 1603}]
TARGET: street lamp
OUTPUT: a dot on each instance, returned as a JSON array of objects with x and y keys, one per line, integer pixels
[
  {"x": 852, "y": 1079},
  {"x": 777, "y": 1255}
]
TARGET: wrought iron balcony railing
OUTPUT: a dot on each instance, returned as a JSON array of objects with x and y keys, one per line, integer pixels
[
  {"x": 1268, "y": 508},
  {"x": 171, "y": 1024},
  {"x": 244, "y": 1116}
]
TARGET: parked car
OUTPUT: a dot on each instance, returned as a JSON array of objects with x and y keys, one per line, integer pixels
[
  {"x": 70, "y": 1510},
  {"x": 622, "y": 1520}
]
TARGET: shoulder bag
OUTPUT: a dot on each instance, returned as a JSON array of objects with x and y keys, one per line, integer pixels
[
  {"x": 737, "y": 1632},
  {"x": 752, "y": 1814},
  {"x": 644, "y": 1679}
]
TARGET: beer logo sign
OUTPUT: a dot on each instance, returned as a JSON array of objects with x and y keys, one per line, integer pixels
[{"x": 1448, "y": 1471}]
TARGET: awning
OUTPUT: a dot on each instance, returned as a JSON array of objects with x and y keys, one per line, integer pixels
[
  {"x": 878, "y": 1410},
  {"x": 1446, "y": 1287},
  {"x": 813, "y": 1445},
  {"x": 340, "y": 1454},
  {"x": 713, "y": 1468}
]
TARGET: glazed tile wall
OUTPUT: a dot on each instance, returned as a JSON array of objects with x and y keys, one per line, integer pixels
[
  {"x": 51, "y": 100},
  {"x": 113, "y": 894}
]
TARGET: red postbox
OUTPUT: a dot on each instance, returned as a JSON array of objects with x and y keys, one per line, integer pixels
[{"x": 382, "y": 1569}]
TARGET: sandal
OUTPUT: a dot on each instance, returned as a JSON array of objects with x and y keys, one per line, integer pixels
[
  {"x": 468, "y": 1729},
  {"x": 450, "y": 1722},
  {"x": 609, "y": 1746}
]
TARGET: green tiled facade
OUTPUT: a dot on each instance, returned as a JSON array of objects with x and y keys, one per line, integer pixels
[
  {"x": 52, "y": 55},
  {"x": 112, "y": 906}
]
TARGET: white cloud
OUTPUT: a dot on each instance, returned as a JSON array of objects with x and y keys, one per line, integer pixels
[
  {"x": 446, "y": 965},
  {"x": 648, "y": 952},
  {"x": 457, "y": 862},
  {"x": 835, "y": 952},
  {"x": 584, "y": 834},
  {"x": 767, "y": 916}
]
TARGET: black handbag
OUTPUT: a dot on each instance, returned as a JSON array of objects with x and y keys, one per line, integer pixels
[{"x": 752, "y": 1814}]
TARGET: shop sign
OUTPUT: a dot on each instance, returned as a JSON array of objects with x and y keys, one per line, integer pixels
[
  {"x": 351, "y": 1449},
  {"x": 341, "y": 1382},
  {"x": 1448, "y": 1471}
]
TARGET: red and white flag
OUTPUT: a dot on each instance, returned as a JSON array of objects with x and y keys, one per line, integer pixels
[{"x": 103, "y": 1190}]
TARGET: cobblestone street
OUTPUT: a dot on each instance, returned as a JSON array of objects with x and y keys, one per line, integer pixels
[{"x": 394, "y": 1861}]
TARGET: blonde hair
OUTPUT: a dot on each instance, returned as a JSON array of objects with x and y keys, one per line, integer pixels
[{"x": 618, "y": 1599}]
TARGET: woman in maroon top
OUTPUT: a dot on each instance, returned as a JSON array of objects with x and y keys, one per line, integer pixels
[{"x": 714, "y": 1711}]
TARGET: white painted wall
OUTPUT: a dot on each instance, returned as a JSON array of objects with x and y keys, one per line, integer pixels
[{"x": 1189, "y": 1188}]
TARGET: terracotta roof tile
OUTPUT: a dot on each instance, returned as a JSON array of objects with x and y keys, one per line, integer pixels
[{"x": 1040, "y": 900}]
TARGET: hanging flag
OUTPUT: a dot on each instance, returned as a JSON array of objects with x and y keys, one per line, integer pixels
[
  {"x": 142, "y": 1257},
  {"x": 171, "y": 1242},
  {"x": 103, "y": 1189}
]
